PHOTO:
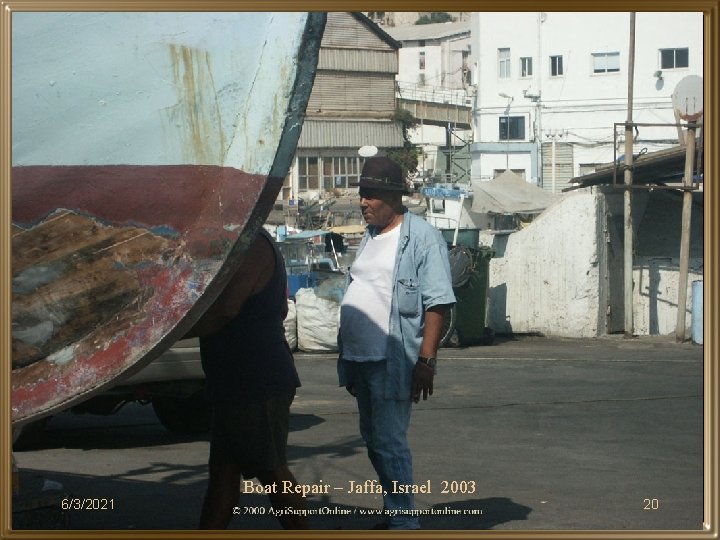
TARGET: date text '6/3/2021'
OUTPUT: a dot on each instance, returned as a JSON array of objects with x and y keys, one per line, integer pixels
[{"x": 70, "y": 503}]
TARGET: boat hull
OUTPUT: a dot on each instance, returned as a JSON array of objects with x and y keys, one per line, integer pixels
[{"x": 129, "y": 215}]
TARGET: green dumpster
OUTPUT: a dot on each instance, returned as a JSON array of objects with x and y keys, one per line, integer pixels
[
  {"x": 465, "y": 237},
  {"x": 465, "y": 322}
]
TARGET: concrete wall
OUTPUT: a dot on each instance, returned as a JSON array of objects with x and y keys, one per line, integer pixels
[
  {"x": 545, "y": 277},
  {"x": 656, "y": 294},
  {"x": 562, "y": 275}
]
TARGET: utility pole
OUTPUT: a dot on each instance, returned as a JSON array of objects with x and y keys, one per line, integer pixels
[
  {"x": 554, "y": 138},
  {"x": 688, "y": 104},
  {"x": 507, "y": 142},
  {"x": 685, "y": 233},
  {"x": 628, "y": 177}
]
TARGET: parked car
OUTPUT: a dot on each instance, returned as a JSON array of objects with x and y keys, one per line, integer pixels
[{"x": 174, "y": 383}]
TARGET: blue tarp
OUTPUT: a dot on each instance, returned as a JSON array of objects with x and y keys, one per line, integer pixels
[
  {"x": 305, "y": 235},
  {"x": 445, "y": 192}
]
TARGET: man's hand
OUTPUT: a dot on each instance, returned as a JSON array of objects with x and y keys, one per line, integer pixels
[{"x": 422, "y": 381}]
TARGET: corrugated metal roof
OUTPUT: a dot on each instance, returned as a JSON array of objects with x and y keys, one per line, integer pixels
[
  {"x": 364, "y": 60},
  {"x": 349, "y": 134},
  {"x": 661, "y": 167},
  {"x": 375, "y": 28},
  {"x": 428, "y": 31},
  {"x": 346, "y": 29},
  {"x": 352, "y": 95}
]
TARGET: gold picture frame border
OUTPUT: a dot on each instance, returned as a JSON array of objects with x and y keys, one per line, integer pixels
[{"x": 711, "y": 40}]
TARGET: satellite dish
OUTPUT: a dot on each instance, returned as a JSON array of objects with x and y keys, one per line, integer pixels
[
  {"x": 368, "y": 151},
  {"x": 687, "y": 99}
]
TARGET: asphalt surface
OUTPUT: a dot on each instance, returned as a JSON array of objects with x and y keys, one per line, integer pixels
[{"x": 528, "y": 434}]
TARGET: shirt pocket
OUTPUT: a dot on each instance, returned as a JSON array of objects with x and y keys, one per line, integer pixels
[{"x": 408, "y": 296}]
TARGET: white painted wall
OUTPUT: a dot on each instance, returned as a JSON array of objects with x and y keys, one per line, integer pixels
[
  {"x": 552, "y": 277},
  {"x": 580, "y": 104},
  {"x": 443, "y": 61},
  {"x": 655, "y": 295},
  {"x": 545, "y": 277},
  {"x": 426, "y": 134}
]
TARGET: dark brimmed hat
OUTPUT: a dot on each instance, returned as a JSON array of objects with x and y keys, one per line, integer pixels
[{"x": 382, "y": 173}]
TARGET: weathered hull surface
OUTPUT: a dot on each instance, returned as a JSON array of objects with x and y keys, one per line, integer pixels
[{"x": 147, "y": 150}]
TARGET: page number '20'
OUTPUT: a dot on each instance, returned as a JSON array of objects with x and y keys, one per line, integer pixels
[{"x": 651, "y": 504}]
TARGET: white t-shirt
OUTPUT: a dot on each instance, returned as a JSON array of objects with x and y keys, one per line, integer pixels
[{"x": 365, "y": 309}]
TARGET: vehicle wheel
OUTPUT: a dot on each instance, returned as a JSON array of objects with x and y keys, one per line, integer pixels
[
  {"x": 30, "y": 436},
  {"x": 183, "y": 415},
  {"x": 449, "y": 336}
]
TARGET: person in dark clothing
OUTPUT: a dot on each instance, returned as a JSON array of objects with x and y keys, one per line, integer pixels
[
  {"x": 251, "y": 382},
  {"x": 335, "y": 243}
]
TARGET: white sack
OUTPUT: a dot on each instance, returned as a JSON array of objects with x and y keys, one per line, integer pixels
[
  {"x": 290, "y": 324},
  {"x": 317, "y": 322}
]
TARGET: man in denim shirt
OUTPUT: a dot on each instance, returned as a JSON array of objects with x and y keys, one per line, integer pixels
[{"x": 390, "y": 324}]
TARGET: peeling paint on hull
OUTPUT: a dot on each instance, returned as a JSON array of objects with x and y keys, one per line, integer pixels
[
  {"x": 129, "y": 213},
  {"x": 191, "y": 202}
]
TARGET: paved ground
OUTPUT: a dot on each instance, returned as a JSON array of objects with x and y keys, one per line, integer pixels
[{"x": 527, "y": 434}]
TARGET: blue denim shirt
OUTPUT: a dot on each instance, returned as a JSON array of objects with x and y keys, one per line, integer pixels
[{"x": 421, "y": 280}]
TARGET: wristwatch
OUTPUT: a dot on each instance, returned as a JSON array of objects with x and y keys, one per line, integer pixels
[{"x": 430, "y": 362}]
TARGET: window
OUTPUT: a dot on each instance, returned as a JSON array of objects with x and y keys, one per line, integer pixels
[
  {"x": 421, "y": 64},
  {"x": 556, "y": 66},
  {"x": 503, "y": 63},
  {"x": 526, "y": 66},
  {"x": 674, "y": 58},
  {"x": 329, "y": 167},
  {"x": 308, "y": 173},
  {"x": 512, "y": 128},
  {"x": 606, "y": 62},
  {"x": 340, "y": 171},
  {"x": 438, "y": 206}
]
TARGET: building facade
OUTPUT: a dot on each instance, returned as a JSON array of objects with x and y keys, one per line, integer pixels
[
  {"x": 550, "y": 91},
  {"x": 432, "y": 84},
  {"x": 352, "y": 104}
]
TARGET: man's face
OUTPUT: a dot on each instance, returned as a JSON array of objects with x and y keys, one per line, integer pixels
[{"x": 378, "y": 205}]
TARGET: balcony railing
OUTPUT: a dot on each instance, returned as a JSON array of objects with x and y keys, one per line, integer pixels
[{"x": 433, "y": 94}]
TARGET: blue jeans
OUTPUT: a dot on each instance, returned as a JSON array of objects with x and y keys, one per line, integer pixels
[{"x": 383, "y": 426}]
